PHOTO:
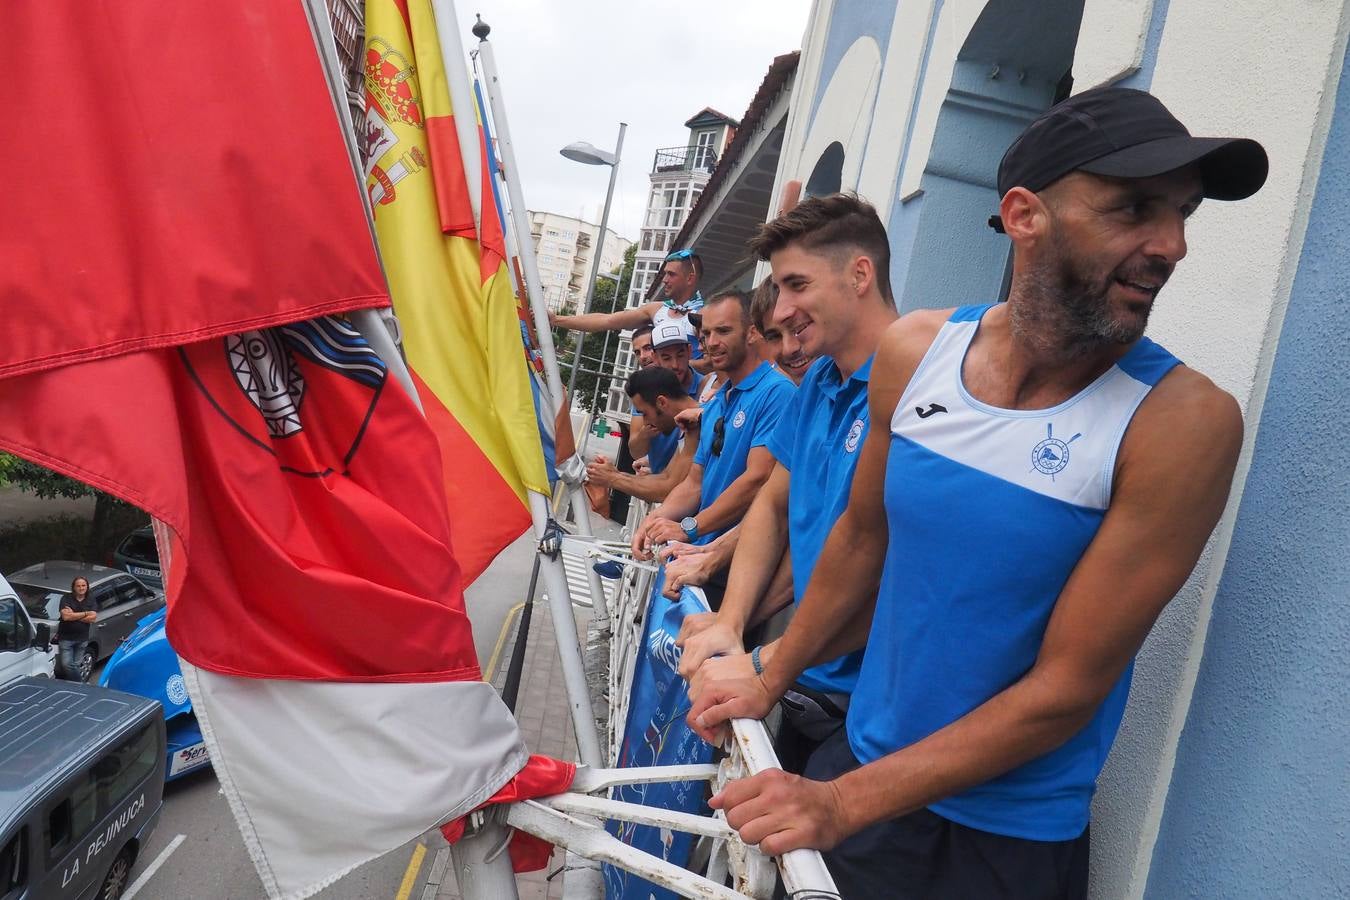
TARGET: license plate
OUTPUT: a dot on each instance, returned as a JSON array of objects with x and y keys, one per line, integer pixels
[
  {"x": 189, "y": 758},
  {"x": 142, "y": 570}
]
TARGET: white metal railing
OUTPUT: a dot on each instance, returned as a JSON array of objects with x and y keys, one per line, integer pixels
[{"x": 574, "y": 820}]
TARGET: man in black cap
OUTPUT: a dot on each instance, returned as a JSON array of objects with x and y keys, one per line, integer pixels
[{"x": 1047, "y": 483}]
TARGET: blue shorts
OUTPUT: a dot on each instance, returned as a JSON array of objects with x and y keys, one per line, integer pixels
[{"x": 922, "y": 856}]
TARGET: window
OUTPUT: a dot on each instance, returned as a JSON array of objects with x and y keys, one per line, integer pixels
[
  {"x": 552, "y": 232},
  {"x": 40, "y": 602},
  {"x": 129, "y": 590},
  {"x": 117, "y": 774},
  {"x": 97, "y": 791},
  {"x": 557, "y": 276},
  {"x": 141, "y": 547},
  {"x": 14, "y": 865},
  {"x": 72, "y": 817},
  {"x": 705, "y": 154},
  {"x": 103, "y": 595},
  {"x": 15, "y": 632}
]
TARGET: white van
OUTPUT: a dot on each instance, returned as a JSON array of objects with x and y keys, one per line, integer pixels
[{"x": 25, "y": 649}]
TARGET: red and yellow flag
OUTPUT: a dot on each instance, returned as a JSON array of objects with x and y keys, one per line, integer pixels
[{"x": 452, "y": 294}]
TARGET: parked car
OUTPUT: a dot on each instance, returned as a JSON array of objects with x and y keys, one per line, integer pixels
[
  {"x": 120, "y": 598},
  {"x": 25, "y": 648},
  {"x": 139, "y": 555},
  {"x": 81, "y": 788},
  {"x": 147, "y": 666}
]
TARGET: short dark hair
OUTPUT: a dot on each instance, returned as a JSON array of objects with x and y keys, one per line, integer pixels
[
  {"x": 730, "y": 294},
  {"x": 762, "y": 303},
  {"x": 837, "y": 221},
  {"x": 692, "y": 260},
  {"x": 654, "y": 382},
  {"x": 639, "y": 331}
]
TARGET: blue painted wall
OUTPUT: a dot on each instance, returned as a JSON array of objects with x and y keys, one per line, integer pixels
[
  {"x": 1259, "y": 804},
  {"x": 1144, "y": 77},
  {"x": 942, "y": 251},
  {"x": 850, "y": 20}
]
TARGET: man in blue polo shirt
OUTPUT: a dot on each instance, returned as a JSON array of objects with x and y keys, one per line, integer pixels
[
  {"x": 831, "y": 266},
  {"x": 671, "y": 343},
  {"x": 732, "y": 461}
]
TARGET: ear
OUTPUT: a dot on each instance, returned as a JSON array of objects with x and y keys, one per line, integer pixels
[
  {"x": 863, "y": 274},
  {"x": 1025, "y": 216}
]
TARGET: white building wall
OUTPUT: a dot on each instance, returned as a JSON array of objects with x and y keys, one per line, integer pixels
[
  {"x": 1250, "y": 68},
  {"x": 564, "y": 248}
]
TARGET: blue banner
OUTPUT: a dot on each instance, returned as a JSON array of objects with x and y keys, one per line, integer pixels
[{"x": 656, "y": 735}]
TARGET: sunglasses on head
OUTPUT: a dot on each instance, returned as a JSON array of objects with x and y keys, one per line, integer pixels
[
  {"x": 719, "y": 435},
  {"x": 680, "y": 254}
]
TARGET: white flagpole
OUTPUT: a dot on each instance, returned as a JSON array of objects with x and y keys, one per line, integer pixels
[
  {"x": 510, "y": 174},
  {"x": 555, "y": 577}
]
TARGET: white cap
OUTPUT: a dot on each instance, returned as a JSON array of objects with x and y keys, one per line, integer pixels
[{"x": 670, "y": 332}]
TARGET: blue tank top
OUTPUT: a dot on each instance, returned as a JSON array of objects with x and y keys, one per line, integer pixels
[{"x": 989, "y": 511}]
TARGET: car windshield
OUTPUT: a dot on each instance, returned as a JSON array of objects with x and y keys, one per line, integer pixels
[
  {"x": 42, "y": 603},
  {"x": 140, "y": 547}
]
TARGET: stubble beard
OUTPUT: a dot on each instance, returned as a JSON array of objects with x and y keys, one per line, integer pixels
[{"x": 1065, "y": 311}]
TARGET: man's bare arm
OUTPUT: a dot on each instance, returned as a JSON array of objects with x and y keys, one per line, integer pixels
[
  {"x": 753, "y": 567},
  {"x": 1173, "y": 479},
  {"x": 680, "y": 502},
  {"x": 835, "y": 613},
  {"x": 639, "y": 436},
  {"x": 615, "y": 321},
  {"x": 655, "y": 488}
]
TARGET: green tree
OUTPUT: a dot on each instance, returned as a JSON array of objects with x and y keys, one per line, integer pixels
[
  {"x": 44, "y": 483},
  {"x": 591, "y": 390}
]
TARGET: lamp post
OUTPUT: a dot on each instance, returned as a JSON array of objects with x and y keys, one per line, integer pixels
[{"x": 584, "y": 152}]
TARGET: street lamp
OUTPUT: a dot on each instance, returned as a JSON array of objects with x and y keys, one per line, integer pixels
[{"x": 583, "y": 152}]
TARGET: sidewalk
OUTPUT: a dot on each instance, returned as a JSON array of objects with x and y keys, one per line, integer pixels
[{"x": 545, "y": 724}]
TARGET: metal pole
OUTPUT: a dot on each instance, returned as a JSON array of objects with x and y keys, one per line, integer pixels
[
  {"x": 600, "y": 376},
  {"x": 461, "y": 103},
  {"x": 519, "y": 221},
  {"x": 599, "y": 247},
  {"x": 569, "y": 645},
  {"x": 482, "y": 865}
]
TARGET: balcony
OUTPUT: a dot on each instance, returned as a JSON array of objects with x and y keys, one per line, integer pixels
[{"x": 685, "y": 159}]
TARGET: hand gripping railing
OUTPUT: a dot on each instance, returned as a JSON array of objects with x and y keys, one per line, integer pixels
[{"x": 572, "y": 820}]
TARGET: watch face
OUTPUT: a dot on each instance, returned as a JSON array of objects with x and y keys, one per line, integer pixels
[{"x": 688, "y": 524}]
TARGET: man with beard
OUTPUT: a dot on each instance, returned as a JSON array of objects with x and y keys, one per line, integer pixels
[
  {"x": 1046, "y": 483},
  {"x": 732, "y": 460},
  {"x": 658, "y": 396}
]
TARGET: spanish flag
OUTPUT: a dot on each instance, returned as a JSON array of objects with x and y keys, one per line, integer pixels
[{"x": 453, "y": 294}]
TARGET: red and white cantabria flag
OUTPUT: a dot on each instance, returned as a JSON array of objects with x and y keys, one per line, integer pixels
[{"x": 183, "y": 236}]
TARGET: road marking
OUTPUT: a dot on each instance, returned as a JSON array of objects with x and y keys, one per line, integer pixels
[
  {"x": 501, "y": 642},
  {"x": 410, "y": 874},
  {"x": 153, "y": 867}
]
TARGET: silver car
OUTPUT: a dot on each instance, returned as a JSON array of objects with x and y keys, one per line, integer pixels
[{"x": 121, "y": 600}]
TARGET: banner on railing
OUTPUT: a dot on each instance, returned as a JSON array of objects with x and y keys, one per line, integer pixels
[{"x": 656, "y": 735}]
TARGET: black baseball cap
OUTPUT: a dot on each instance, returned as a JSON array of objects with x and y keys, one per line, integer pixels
[{"x": 1125, "y": 133}]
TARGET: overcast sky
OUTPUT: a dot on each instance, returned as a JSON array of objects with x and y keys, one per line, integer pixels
[{"x": 573, "y": 69}]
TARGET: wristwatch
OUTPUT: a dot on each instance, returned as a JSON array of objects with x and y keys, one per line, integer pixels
[{"x": 690, "y": 526}]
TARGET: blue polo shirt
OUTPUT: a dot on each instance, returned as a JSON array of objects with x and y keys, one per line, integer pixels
[
  {"x": 820, "y": 437},
  {"x": 750, "y": 411},
  {"x": 662, "y": 448}
]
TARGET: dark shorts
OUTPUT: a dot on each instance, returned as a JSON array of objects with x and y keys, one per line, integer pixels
[
  {"x": 809, "y": 718},
  {"x": 923, "y": 856}
]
